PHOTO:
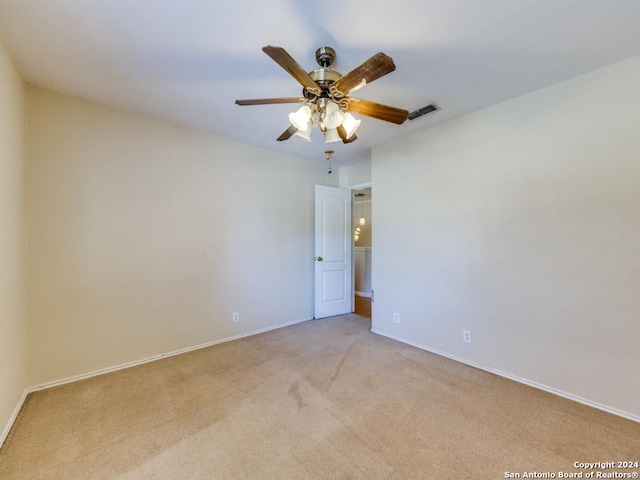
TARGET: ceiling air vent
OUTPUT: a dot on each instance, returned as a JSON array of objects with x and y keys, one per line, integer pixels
[{"x": 423, "y": 111}]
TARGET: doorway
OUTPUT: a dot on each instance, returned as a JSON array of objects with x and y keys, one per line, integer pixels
[
  {"x": 362, "y": 250},
  {"x": 334, "y": 252}
]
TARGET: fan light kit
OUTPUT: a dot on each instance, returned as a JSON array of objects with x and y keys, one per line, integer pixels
[{"x": 325, "y": 101}]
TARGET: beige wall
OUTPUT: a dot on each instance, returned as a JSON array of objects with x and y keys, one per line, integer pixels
[
  {"x": 13, "y": 326},
  {"x": 521, "y": 222},
  {"x": 145, "y": 237},
  {"x": 356, "y": 175}
]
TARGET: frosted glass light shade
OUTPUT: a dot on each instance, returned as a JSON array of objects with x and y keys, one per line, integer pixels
[
  {"x": 362, "y": 221},
  {"x": 300, "y": 118},
  {"x": 350, "y": 124},
  {"x": 304, "y": 134},
  {"x": 332, "y": 136},
  {"x": 333, "y": 116}
]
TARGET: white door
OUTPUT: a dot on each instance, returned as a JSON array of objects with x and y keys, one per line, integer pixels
[{"x": 333, "y": 275}]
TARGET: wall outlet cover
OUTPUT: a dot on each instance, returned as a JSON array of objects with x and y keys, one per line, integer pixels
[{"x": 466, "y": 336}]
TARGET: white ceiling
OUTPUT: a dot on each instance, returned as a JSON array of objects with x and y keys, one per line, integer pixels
[{"x": 187, "y": 61}]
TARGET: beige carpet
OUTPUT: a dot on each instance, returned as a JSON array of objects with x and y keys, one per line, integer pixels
[{"x": 323, "y": 399}]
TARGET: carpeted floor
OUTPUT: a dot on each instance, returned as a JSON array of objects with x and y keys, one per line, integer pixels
[{"x": 324, "y": 399}]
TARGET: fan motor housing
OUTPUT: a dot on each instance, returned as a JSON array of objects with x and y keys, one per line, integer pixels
[
  {"x": 324, "y": 77},
  {"x": 325, "y": 56}
]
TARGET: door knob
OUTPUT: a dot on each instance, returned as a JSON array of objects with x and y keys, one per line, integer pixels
[{"x": 319, "y": 259}]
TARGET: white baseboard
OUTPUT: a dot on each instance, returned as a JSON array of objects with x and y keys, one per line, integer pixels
[
  {"x": 95, "y": 373},
  {"x": 135, "y": 363},
  {"x": 16, "y": 411},
  {"x": 560, "y": 393},
  {"x": 13, "y": 417}
]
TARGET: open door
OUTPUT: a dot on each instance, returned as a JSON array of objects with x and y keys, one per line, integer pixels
[{"x": 333, "y": 267}]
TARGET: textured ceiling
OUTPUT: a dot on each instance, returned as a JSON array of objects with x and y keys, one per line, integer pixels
[{"x": 188, "y": 61}]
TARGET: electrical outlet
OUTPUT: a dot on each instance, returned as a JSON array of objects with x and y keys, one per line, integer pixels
[
  {"x": 466, "y": 336},
  {"x": 396, "y": 318},
  {"x": 236, "y": 317}
]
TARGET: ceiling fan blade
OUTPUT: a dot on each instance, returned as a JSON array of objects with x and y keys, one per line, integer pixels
[
  {"x": 376, "y": 110},
  {"x": 286, "y": 61},
  {"x": 287, "y": 134},
  {"x": 372, "y": 69},
  {"x": 269, "y": 101}
]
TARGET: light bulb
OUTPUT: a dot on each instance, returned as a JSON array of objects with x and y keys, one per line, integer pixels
[{"x": 362, "y": 221}]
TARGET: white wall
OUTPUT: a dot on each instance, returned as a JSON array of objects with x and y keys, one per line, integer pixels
[
  {"x": 145, "y": 237},
  {"x": 521, "y": 222},
  {"x": 13, "y": 326},
  {"x": 355, "y": 175}
]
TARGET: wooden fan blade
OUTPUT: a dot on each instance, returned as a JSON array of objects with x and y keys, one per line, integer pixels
[
  {"x": 286, "y": 61},
  {"x": 372, "y": 69},
  {"x": 269, "y": 101},
  {"x": 287, "y": 134},
  {"x": 376, "y": 110}
]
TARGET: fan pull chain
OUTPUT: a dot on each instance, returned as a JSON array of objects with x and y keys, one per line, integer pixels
[{"x": 328, "y": 154}]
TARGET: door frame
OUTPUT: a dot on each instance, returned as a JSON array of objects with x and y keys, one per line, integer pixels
[{"x": 352, "y": 188}]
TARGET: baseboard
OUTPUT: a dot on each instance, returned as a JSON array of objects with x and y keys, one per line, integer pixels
[
  {"x": 362, "y": 294},
  {"x": 95, "y": 373},
  {"x": 560, "y": 393},
  {"x": 13, "y": 417},
  {"x": 154, "y": 358}
]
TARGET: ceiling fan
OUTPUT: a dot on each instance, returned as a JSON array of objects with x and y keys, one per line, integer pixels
[{"x": 325, "y": 96}]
